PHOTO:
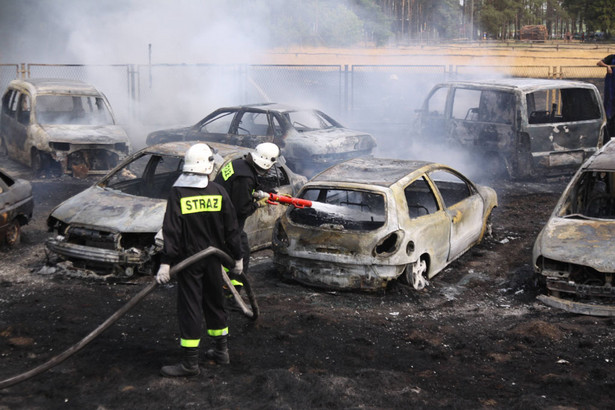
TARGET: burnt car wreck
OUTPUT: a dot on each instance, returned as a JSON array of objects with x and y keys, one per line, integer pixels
[
  {"x": 366, "y": 228},
  {"x": 574, "y": 254},
  {"x": 110, "y": 228},
  {"x": 309, "y": 139},
  {"x": 59, "y": 126},
  {"x": 517, "y": 128}
]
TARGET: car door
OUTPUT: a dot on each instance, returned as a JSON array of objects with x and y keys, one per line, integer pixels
[
  {"x": 216, "y": 127},
  {"x": 259, "y": 226},
  {"x": 432, "y": 117},
  {"x": 464, "y": 207},
  {"x": 564, "y": 125},
  {"x": 428, "y": 227},
  {"x": 15, "y": 122},
  {"x": 250, "y": 128}
]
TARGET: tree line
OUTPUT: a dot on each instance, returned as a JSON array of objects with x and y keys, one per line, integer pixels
[{"x": 347, "y": 22}]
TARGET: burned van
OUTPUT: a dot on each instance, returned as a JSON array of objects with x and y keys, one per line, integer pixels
[
  {"x": 517, "y": 128},
  {"x": 59, "y": 126}
]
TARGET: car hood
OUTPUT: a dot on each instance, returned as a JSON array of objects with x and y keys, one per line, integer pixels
[
  {"x": 92, "y": 134},
  {"x": 112, "y": 210},
  {"x": 578, "y": 241},
  {"x": 332, "y": 140}
]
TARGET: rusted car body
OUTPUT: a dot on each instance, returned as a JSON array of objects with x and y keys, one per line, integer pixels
[
  {"x": 517, "y": 128},
  {"x": 309, "y": 139},
  {"x": 16, "y": 206},
  {"x": 62, "y": 127},
  {"x": 110, "y": 227},
  {"x": 375, "y": 220},
  {"x": 574, "y": 254}
]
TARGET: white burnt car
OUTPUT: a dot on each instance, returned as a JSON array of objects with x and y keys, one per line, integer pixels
[
  {"x": 375, "y": 220},
  {"x": 111, "y": 226},
  {"x": 574, "y": 254},
  {"x": 61, "y": 126},
  {"x": 310, "y": 140}
]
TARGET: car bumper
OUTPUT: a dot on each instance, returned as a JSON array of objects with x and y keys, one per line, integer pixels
[
  {"x": 578, "y": 307},
  {"x": 561, "y": 292},
  {"x": 562, "y": 162},
  {"x": 330, "y": 275},
  {"x": 132, "y": 256}
]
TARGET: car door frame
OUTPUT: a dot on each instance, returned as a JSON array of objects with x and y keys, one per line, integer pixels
[
  {"x": 467, "y": 213},
  {"x": 430, "y": 233},
  {"x": 15, "y": 133}
]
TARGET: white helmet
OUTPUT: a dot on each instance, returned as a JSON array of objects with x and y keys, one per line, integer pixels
[
  {"x": 266, "y": 155},
  {"x": 199, "y": 159}
]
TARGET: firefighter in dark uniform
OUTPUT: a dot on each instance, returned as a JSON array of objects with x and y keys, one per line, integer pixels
[
  {"x": 240, "y": 179},
  {"x": 199, "y": 214}
]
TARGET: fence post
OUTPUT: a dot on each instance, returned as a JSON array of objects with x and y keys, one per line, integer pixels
[
  {"x": 24, "y": 73},
  {"x": 345, "y": 91},
  {"x": 133, "y": 85}
]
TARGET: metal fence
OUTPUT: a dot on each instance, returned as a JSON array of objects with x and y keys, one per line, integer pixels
[
  {"x": 8, "y": 72},
  {"x": 367, "y": 96}
]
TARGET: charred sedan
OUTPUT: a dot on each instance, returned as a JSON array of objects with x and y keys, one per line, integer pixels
[
  {"x": 574, "y": 254},
  {"x": 110, "y": 228},
  {"x": 375, "y": 220},
  {"x": 16, "y": 205},
  {"x": 62, "y": 127},
  {"x": 309, "y": 139}
]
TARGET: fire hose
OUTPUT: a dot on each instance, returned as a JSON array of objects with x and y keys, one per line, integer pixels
[
  {"x": 226, "y": 260},
  {"x": 275, "y": 199}
]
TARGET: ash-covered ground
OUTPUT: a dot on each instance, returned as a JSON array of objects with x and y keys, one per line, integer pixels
[{"x": 475, "y": 338}]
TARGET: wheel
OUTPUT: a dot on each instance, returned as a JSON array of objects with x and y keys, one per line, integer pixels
[
  {"x": 416, "y": 274},
  {"x": 36, "y": 162},
  {"x": 13, "y": 233},
  {"x": 419, "y": 270}
]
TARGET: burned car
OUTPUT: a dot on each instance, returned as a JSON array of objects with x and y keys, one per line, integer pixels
[
  {"x": 60, "y": 126},
  {"x": 375, "y": 220},
  {"x": 16, "y": 206},
  {"x": 574, "y": 254},
  {"x": 310, "y": 140},
  {"x": 517, "y": 128},
  {"x": 110, "y": 228}
]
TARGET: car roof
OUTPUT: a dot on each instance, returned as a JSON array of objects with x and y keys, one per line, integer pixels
[
  {"x": 602, "y": 160},
  {"x": 373, "y": 171},
  {"x": 179, "y": 148},
  {"x": 54, "y": 85},
  {"x": 281, "y": 108},
  {"x": 522, "y": 84}
]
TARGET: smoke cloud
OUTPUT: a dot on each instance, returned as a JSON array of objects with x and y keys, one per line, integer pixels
[
  {"x": 119, "y": 32},
  {"x": 195, "y": 33}
]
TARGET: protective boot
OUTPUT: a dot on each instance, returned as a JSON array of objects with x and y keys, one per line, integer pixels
[
  {"x": 219, "y": 353},
  {"x": 189, "y": 365}
]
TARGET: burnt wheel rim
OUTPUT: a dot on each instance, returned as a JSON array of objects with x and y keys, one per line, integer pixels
[{"x": 12, "y": 234}]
